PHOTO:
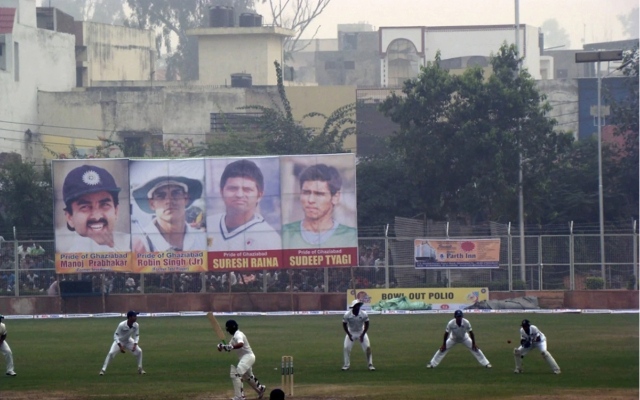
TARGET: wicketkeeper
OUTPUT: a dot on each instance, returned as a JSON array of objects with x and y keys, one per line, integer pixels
[{"x": 532, "y": 338}]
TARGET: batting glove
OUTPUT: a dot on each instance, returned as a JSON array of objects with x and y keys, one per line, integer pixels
[{"x": 227, "y": 347}]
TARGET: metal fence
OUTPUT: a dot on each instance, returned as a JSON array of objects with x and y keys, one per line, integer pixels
[{"x": 551, "y": 262}]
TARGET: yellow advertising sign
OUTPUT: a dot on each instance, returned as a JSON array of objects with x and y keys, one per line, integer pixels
[
  {"x": 457, "y": 253},
  {"x": 409, "y": 299}
]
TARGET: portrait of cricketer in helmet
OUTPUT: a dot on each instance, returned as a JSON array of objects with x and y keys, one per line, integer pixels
[
  {"x": 164, "y": 192},
  {"x": 88, "y": 204}
]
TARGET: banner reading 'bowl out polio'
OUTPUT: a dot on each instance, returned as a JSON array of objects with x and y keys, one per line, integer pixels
[{"x": 457, "y": 253}]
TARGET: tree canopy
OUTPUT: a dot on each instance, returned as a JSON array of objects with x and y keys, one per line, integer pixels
[{"x": 459, "y": 141}]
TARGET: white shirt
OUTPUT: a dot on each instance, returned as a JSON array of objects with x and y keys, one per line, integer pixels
[
  {"x": 534, "y": 333},
  {"x": 256, "y": 234},
  {"x": 194, "y": 239},
  {"x": 355, "y": 323},
  {"x": 83, "y": 244},
  {"x": 240, "y": 337},
  {"x": 458, "y": 333},
  {"x": 124, "y": 334}
]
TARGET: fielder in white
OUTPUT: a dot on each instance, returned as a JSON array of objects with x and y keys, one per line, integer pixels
[
  {"x": 356, "y": 324},
  {"x": 532, "y": 338},
  {"x": 458, "y": 330},
  {"x": 5, "y": 349},
  {"x": 243, "y": 371},
  {"x": 126, "y": 337}
]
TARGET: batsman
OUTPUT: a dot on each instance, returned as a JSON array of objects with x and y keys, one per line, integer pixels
[
  {"x": 243, "y": 371},
  {"x": 531, "y": 338}
]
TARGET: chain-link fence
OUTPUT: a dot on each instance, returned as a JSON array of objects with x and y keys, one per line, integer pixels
[{"x": 550, "y": 262}]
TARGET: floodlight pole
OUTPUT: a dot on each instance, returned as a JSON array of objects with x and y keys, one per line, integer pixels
[
  {"x": 597, "y": 56},
  {"x": 523, "y": 261}
]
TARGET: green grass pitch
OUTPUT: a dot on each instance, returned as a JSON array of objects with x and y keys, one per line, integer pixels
[{"x": 61, "y": 358}]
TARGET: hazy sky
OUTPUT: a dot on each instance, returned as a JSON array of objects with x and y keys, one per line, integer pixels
[{"x": 593, "y": 20}]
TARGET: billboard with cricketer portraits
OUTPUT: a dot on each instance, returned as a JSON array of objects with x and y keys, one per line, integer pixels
[
  {"x": 91, "y": 215},
  {"x": 167, "y": 215},
  {"x": 217, "y": 214}
]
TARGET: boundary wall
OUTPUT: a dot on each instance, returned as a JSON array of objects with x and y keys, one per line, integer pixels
[{"x": 280, "y": 302}]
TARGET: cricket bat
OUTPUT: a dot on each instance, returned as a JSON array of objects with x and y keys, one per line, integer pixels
[{"x": 216, "y": 327}]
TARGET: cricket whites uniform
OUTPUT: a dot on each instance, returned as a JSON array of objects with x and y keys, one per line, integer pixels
[
  {"x": 255, "y": 234},
  {"x": 6, "y": 350},
  {"x": 355, "y": 325},
  {"x": 458, "y": 334},
  {"x": 127, "y": 337},
  {"x": 243, "y": 371},
  {"x": 81, "y": 244},
  {"x": 194, "y": 239},
  {"x": 529, "y": 342}
]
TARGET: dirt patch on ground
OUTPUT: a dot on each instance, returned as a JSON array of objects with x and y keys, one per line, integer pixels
[{"x": 326, "y": 394}]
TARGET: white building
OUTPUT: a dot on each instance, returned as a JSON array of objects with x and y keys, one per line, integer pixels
[
  {"x": 403, "y": 50},
  {"x": 31, "y": 60}
]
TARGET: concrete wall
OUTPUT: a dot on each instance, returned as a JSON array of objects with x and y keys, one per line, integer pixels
[
  {"x": 265, "y": 302},
  {"x": 170, "y": 113},
  {"x": 226, "y": 51},
  {"x": 562, "y": 94},
  {"x": 322, "y": 99},
  {"x": 115, "y": 53},
  {"x": 44, "y": 60}
]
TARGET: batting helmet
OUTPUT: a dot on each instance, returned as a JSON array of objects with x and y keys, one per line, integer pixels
[
  {"x": 1, "y": 317},
  {"x": 525, "y": 322},
  {"x": 457, "y": 314},
  {"x": 231, "y": 324}
]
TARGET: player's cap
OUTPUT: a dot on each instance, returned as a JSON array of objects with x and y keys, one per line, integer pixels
[
  {"x": 525, "y": 322},
  {"x": 87, "y": 179},
  {"x": 132, "y": 313},
  {"x": 355, "y": 303},
  {"x": 191, "y": 186},
  {"x": 1, "y": 317},
  {"x": 458, "y": 313}
]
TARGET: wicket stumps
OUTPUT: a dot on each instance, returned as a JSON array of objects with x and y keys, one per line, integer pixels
[{"x": 287, "y": 375}]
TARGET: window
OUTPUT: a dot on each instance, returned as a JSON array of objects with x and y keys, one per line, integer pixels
[
  {"x": 349, "y": 65},
  {"x": 330, "y": 65},
  {"x": 16, "y": 61},
  {"x": 350, "y": 41},
  {"x": 234, "y": 122}
]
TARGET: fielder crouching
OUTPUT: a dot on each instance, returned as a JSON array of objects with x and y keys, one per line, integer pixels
[
  {"x": 532, "y": 338},
  {"x": 244, "y": 371}
]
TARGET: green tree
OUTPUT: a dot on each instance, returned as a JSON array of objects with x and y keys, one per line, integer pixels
[
  {"x": 554, "y": 34},
  {"x": 460, "y": 138},
  {"x": 26, "y": 196},
  {"x": 624, "y": 179},
  {"x": 103, "y": 11},
  {"x": 630, "y": 23}
]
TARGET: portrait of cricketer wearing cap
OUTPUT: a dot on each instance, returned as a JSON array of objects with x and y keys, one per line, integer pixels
[
  {"x": 168, "y": 197},
  {"x": 90, "y": 196},
  {"x": 320, "y": 187}
]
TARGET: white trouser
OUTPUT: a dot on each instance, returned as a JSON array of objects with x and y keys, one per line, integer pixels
[
  {"x": 115, "y": 349},
  {"x": 521, "y": 351},
  {"x": 242, "y": 372},
  {"x": 8, "y": 355},
  {"x": 365, "y": 344},
  {"x": 437, "y": 358}
]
